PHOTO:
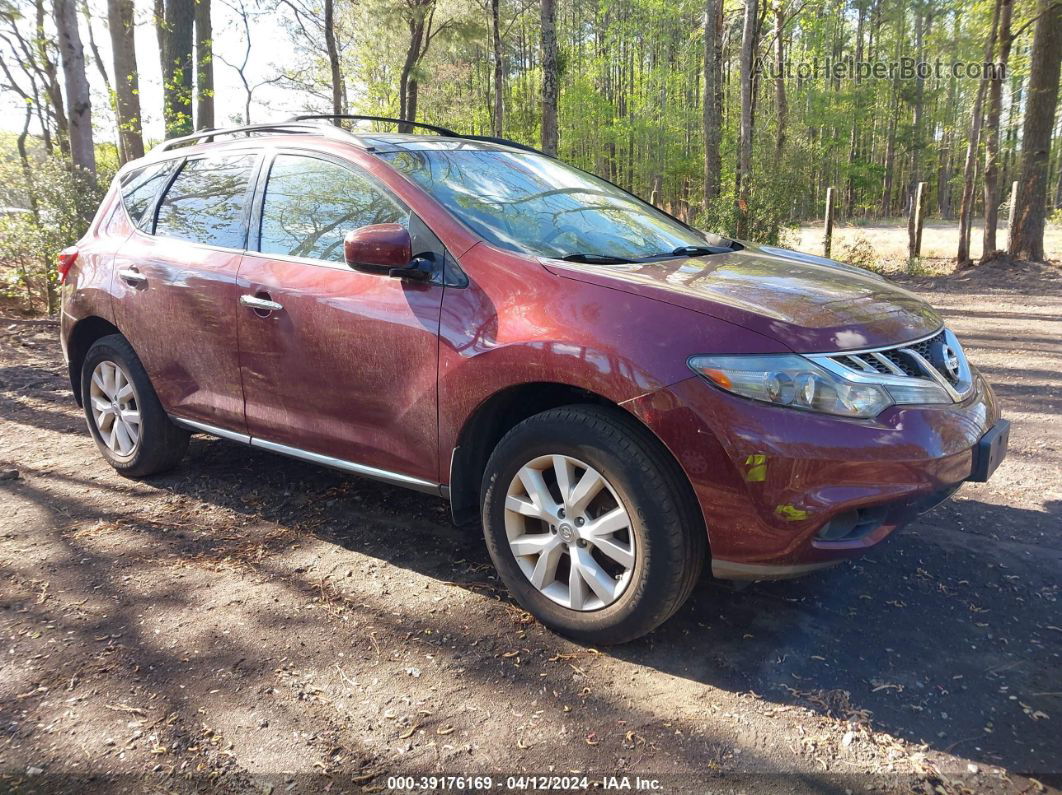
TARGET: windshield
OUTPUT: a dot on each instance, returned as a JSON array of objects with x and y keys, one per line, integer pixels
[{"x": 534, "y": 204}]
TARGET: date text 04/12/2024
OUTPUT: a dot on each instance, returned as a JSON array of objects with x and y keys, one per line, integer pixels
[{"x": 570, "y": 783}]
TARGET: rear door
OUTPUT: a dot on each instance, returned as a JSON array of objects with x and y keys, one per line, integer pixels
[
  {"x": 175, "y": 287},
  {"x": 345, "y": 364}
]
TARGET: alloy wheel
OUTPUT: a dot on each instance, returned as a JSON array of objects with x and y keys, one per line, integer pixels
[
  {"x": 115, "y": 408},
  {"x": 569, "y": 532}
]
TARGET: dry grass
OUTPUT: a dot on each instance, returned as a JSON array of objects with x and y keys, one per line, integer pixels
[{"x": 887, "y": 239}]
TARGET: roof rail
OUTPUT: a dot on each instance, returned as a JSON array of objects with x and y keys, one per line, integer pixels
[
  {"x": 433, "y": 127},
  {"x": 493, "y": 139},
  {"x": 301, "y": 124},
  {"x": 355, "y": 117},
  {"x": 272, "y": 127}
]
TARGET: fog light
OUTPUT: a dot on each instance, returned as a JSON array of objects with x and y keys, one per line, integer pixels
[{"x": 839, "y": 526}]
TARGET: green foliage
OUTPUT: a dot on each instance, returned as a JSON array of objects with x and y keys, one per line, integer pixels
[
  {"x": 58, "y": 205},
  {"x": 861, "y": 253},
  {"x": 630, "y": 101}
]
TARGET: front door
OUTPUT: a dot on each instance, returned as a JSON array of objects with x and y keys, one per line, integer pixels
[
  {"x": 335, "y": 362},
  {"x": 175, "y": 284}
]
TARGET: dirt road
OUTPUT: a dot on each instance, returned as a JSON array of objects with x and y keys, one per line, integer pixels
[{"x": 249, "y": 622}]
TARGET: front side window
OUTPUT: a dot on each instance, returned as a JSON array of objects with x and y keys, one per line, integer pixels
[
  {"x": 538, "y": 205},
  {"x": 139, "y": 189},
  {"x": 206, "y": 202},
  {"x": 311, "y": 204}
]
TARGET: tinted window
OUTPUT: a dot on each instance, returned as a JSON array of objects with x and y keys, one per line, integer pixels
[
  {"x": 139, "y": 189},
  {"x": 206, "y": 201},
  {"x": 533, "y": 203},
  {"x": 311, "y": 204}
]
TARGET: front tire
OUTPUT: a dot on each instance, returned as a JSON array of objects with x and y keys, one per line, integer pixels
[
  {"x": 123, "y": 412},
  {"x": 591, "y": 524}
]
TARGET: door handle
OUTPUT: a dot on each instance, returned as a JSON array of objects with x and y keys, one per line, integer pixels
[
  {"x": 132, "y": 276},
  {"x": 260, "y": 304}
]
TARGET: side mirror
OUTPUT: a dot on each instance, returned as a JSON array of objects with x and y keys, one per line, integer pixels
[{"x": 378, "y": 248}]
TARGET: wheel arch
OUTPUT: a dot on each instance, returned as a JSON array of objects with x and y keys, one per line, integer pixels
[
  {"x": 84, "y": 333},
  {"x": 503, "y": 410}
]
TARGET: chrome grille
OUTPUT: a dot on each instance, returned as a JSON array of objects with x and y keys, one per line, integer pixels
[
  {"x": 895, "y": 361},
  {"x": 927, "y": 358}
]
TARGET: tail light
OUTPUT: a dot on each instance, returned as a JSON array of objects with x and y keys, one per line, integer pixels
[{"x": 67, "y": 258}]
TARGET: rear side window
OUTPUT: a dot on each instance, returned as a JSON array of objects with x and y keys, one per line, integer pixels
[
  {"x": 139, "y": 189},
  {"x": 311, "y": 204},
  {"x": 206, "y": 202}
]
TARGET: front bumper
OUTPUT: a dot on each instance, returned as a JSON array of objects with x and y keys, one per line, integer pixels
[{"x": 785, "y": 492}]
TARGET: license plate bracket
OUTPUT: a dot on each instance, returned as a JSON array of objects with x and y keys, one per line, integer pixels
[{"x": 990, "y": 451}]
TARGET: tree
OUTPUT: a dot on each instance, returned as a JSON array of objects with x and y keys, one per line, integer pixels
[
  {"x": 245, "y": 14},
  {"x": 995, "y": 108},
  {"x": 550, "y": 133},
  {"x": 121, "y": 23},
  {"x": 204, "y": 61},
  {"x": 969, "y": 177},
  {"x": 309, "y": 27},
  {"x": 781, "y": 106},
  {"x": 82, "y": 149},
  {"x": 923, "y": 21},
  {"x": 420, "y": 22},
  {"x": 711, "y": 110},
  {"x": 498, "y": 119},
  {"x": 1045, "y": 61},
  {"x": 177, "y": 66},
  {"x": 743, "y": 177},
  {"x": 33, "y": 86},
  {"x": 338, "y": 89}
]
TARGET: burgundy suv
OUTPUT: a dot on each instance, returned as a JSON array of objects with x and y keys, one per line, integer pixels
[{"x": 618, "y": 397}]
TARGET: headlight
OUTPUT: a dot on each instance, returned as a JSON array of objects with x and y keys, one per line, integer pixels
[{"x": 796, "y": 382}]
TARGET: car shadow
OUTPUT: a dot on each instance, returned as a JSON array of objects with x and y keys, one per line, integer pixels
[{"x": 947, "y": 635}]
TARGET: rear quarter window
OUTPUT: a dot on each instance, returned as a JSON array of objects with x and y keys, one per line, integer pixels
[{"x": 139, "y": 189}]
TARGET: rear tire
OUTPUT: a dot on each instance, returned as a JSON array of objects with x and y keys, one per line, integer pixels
[
  {"x": 125, "y": 418},
  {"x": 602, "y": 571}
]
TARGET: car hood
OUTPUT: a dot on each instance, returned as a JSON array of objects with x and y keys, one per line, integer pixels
[{"x": 811, "y": 304}]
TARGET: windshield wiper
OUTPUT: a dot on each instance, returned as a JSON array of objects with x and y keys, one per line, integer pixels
[
  {"x": 699, "y": 251},
  {"x": 596, "y": 259}
]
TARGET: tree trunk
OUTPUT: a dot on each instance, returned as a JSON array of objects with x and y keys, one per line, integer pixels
[
  {"x": 159, "y": 13},
  {"x": 1058, "y": 187},
  {"x": 711, "y": 111},
  {"x": 407, "y": 83},
  {"x": 549, "y": 76},
  {"x": 969, "y": 174},
  {"x": 1045, "y": 61},
  {"x": 744, "y": 154},
  {"x": 338, "y": 88},
  {"x": 944, "y": 190},
  {"x": 853, "y": 136},
  {"x": 120, "y": 21},
  {"x": 178, "y": 67},
  {"x": 55, "y": 93},
  {"x": 781, "y": 108},
  {"x": 82, "y": 151},
  {"x": 204, "y": 62},
  {"x": 995, "y": 109},
  {"x": 96, "y": 57},
  {"x": 922, "y": 26},
  {"x": 498, "y": 122},
  {"x": 894, "y": 111}
]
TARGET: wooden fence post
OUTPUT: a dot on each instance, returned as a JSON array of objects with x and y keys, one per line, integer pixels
[
  {"x": 916, "y": 223},
  {"x": 827, "y": 232}
]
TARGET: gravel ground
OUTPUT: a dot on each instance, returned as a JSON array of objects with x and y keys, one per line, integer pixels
[{"x": 248, "y": 622}]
